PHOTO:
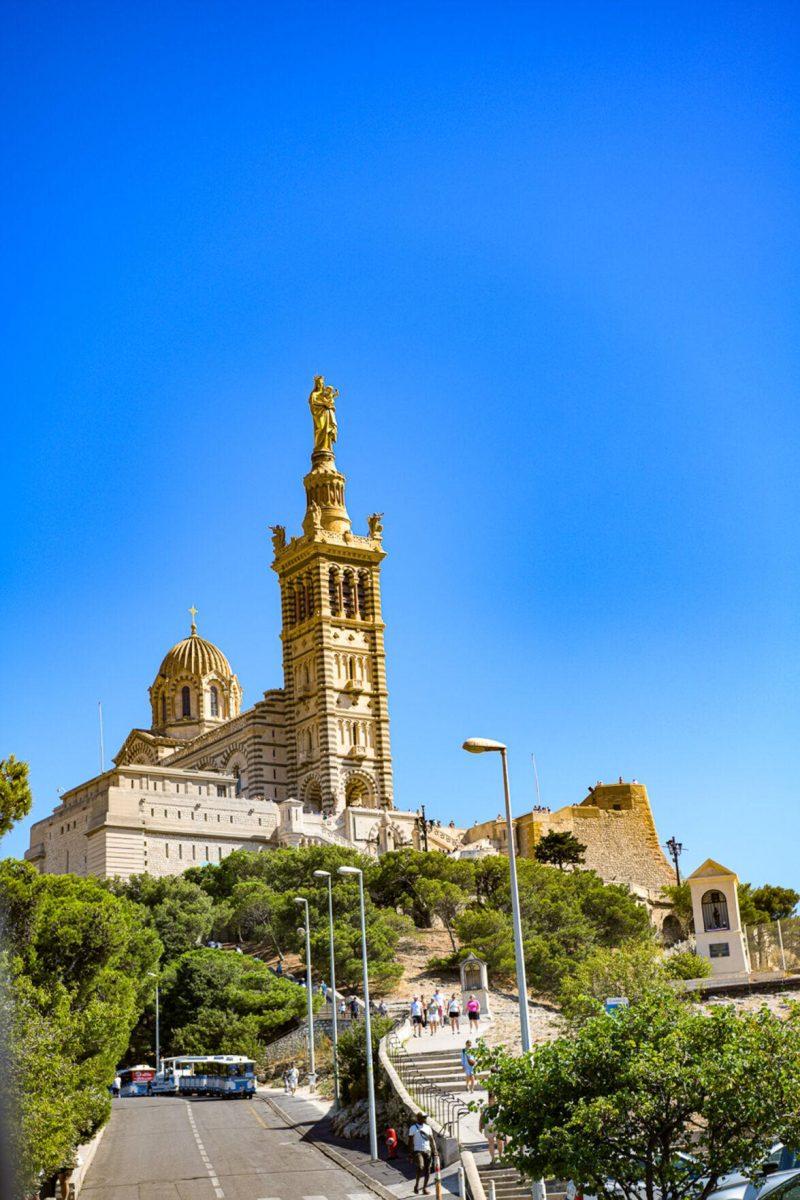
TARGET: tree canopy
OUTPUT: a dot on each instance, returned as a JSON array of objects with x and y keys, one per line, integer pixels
[
  {"x": 74, "y": 967},
  {"x": 651, "y": 1099},
  {"x": 215, "y": 1003},
  {"x": 560, "y": 848},
  {"x": 15, "y": 792},
  {"x": 565, "y": 915}
]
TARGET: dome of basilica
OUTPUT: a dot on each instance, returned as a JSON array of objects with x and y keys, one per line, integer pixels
[
  {"x": 195, "y": 688},
  {"x": 195, "y": 656}
]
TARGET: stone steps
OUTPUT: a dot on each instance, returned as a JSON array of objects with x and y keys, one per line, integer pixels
[{"x": 510, "y": 1185}]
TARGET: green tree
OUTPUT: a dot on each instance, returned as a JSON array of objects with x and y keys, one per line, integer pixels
[
  {"x": 15, "y": 792},
  {"x": 180, "y": 911},
  {"x": 777, "y": 903},
  {"x": 634, "y": 970},
  {"x": 259, "y": 891},
  {"x": 617, "y": 1106},
  {"x": 443, "y": 900},
  {"x": 565, "y": 915},
  {"x": 399, "y": 879},
  {"x": 75, "y": 964},
  {"x": 680, "y": 898},
  {"x": 216, "y": 1002},
  {"x": 561, "y": 849},
  {"x": 353, "y": 1057}
]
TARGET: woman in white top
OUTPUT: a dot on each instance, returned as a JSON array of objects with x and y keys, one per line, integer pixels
[
  {"x": 433, "y": 1015},
  {"x": 454, "y": 1012}
]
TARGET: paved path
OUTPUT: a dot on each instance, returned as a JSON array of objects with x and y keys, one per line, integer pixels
[
  {"x": 310, "y": 1115},
  {"x": 168, "y": 1148}
]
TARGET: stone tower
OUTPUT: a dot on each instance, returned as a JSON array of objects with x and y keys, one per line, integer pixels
[{"x": 337, "y": 716}]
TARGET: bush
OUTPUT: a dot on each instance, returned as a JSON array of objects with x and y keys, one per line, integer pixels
[
  {"x": 686, "y": 965},
  {"x": 353, "y": 1057}
]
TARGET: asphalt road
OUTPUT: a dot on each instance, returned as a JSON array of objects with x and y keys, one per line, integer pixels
[{"x": 167, "y": 1148}]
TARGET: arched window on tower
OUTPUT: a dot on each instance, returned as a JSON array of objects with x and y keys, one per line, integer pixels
[
  {"x": 237, "y": 781},
  {"x": 186, "y": 702},
  {"x": 348, "y": 595},
  {"x": 213, "y": 697},
  {"x": 363, "y": 595},
  {"x": 163, "y": 710},
  {"x": 291, "y": 605},
  {"x": 310, "y": 594},
  {"x": 333, "y": 591},
  {"x": 301, "y": 601}
]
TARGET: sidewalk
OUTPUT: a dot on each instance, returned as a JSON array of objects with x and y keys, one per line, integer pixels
[{"x": 310, "y": 1116}]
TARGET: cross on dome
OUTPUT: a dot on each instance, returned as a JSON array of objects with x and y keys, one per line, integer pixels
[{"x": 193, "y": 614}]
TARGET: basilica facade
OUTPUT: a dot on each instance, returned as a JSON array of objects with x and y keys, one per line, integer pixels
[{"x": 308, "y": 763}]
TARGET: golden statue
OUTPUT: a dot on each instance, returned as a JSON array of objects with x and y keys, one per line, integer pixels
[{"x": 323, "y": 410}]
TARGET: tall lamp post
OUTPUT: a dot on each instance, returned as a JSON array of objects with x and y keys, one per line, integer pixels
[
  {"x": 153, "y": 975},
  {"x": 423, "y": 824},
  {"x": 482, "y": 746},
  {"x": 373, "y": 1121},
  {"x": 675, "y": 850},
  {"x": 312, "y": 1074},
  {"x": 336, "y": 1098}
]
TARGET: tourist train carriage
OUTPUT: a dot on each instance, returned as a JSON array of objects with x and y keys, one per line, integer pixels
[
  {"x": 135, "y": 1081},
  {"x": 230, "y": 1076}
]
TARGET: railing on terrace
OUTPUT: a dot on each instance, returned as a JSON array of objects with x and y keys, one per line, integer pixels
[
  {"x": 774, "y": 946},
  {"x": 445, "y": 1107}
]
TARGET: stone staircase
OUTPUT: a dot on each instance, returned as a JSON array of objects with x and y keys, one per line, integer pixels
[
  {"x": 510, "y": 1185},
  {"x": 441, "y": 1066}
]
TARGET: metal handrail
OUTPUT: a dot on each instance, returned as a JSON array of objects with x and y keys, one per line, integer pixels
[{"x": 446, "y": 1108}]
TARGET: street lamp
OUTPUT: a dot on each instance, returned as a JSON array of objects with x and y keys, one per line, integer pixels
[
  {"x": 675, "y": 850},
  {"x": 373, "y": 1121},
  {"x": 327, "y": 875},
  {"x": 312, "y": 1074},
  {"x": 482, "y": 746},
  {"x": 423, "y": 824},
  {"x": 153, "y": 975}
]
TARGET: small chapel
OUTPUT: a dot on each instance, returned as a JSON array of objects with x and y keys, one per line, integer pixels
[{"x": 308, "y": 763}]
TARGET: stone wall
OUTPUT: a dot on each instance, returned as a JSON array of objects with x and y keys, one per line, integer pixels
[{"x": 615, "y": 824}]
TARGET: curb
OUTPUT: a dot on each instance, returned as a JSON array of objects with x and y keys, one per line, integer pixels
[
  {"x": 336, "y": 1157},
  {"x": 88, "y": 1158}
]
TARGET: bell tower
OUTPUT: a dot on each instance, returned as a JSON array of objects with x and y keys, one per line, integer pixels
[{"x": 334, "y": 661}]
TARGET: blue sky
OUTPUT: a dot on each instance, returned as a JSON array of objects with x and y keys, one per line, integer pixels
[{"x": 549, "y": 256}]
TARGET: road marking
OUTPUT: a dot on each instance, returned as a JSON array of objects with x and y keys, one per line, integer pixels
[
  {"x": 360, "y": 1196},
  {"x": 319, "y": 1198},
  {"x": 260, "y": 1120},
  {"x": 218, "y": 1192}
]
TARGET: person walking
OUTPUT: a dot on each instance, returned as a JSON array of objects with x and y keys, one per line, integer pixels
[
  {"x": 292, "y": 1079},
  {"x": 494, "y": 1140},
  {"x": 353, "y": 1008},
  {"x": 416, "y": 1017},
  {"x": 420, "y": 1139},
  {"x": 424, "y": 1004},
  {"x": 433, "y": 1015},
  {"x": 468, "y": 1063},
  {"x": 439, "y": 998},
  {"x": 454, "y": 1013},
  {"x": 473, "y": 1013}
]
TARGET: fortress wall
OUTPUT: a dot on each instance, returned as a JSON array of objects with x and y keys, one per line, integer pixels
[{"x": 615, "y": 824}]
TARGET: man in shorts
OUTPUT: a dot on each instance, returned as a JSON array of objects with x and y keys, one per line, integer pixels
[
  {"x": 416, "y": 1016},
  {"x": 420, "y": 1143}
]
